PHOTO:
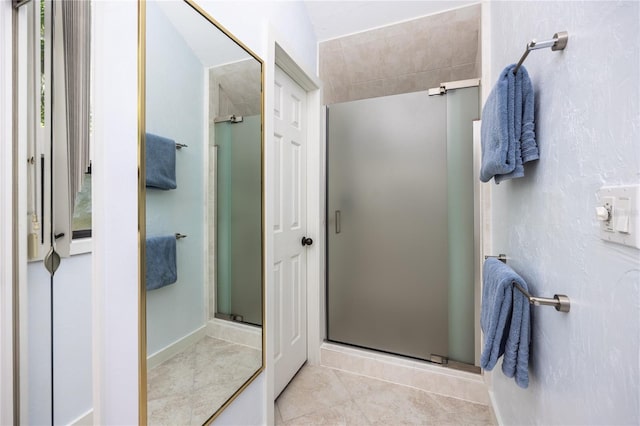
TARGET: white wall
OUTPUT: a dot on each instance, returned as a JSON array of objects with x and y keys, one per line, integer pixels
[
  {"x": 248, "y": 21},
  {"x": 584, "y": 365},
  {"x": 115, "y": 214}
]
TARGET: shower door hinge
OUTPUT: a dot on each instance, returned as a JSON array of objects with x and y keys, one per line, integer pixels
[
  {"x": 442, "y": 90},
  {"x": 452, "y": 85},
  {"x": 439, "y": 359}
]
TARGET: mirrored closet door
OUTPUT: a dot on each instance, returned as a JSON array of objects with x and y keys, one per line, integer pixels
[
  {"x": 53, "y": 162},
  {"x": 201, "y": 289}
]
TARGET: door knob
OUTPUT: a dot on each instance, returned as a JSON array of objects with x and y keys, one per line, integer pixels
[{"x": 306, "y": 241}]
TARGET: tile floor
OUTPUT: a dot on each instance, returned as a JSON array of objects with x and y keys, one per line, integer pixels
[
  {"x": 188, "y": 388},
  {"x": 323, "y": 396}
]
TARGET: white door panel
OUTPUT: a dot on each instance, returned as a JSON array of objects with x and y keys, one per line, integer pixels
[{"x": 290, "y": 260}]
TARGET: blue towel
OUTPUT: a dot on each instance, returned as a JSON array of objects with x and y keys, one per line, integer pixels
[
  {"x": 161, "y": 261},
  {"x": 508, "y": 137},
  {"x": 505, "y": 321},
  {"x": 160, "y": 162}
]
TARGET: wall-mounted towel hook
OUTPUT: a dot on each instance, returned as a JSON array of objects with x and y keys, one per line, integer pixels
[
  {"x": 180, "y": 236},
  {"x": 181, "y": 145},
  {"x": 558, "y": 42}
]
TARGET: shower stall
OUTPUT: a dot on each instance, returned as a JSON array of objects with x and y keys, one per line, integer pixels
[{"x": 400, "y": 224}]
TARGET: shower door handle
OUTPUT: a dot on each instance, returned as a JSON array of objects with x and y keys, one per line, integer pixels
[{"x": 338, "y": 222}]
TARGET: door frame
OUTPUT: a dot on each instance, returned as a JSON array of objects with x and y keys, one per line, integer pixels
[
  {"x": 7, "y": 254},
  {"x": 278, "y": 54}
]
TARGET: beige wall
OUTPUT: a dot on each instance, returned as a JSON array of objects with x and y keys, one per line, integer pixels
[{"x": 401, "y": 58}]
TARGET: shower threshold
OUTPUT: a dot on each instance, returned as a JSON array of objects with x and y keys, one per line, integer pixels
[
  {"x": 458, "y": 381},
  {"x": 440, "y": 361}
]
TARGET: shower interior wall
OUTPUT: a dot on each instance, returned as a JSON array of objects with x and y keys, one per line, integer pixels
[{"x": 401, "y": 58}]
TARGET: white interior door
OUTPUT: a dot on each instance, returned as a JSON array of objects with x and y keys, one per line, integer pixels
[{"x": 290, "y": 226}]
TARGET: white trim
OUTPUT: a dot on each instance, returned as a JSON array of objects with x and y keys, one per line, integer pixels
[
  {"x": 478, "y": 217},
  {"x": 494, "y": 409},
  {"x": 81, "y": 246},
  {"x": 6, "y": 216},
  {"x": 208, "y": 291},
  {"x": 176, "y": 347}
]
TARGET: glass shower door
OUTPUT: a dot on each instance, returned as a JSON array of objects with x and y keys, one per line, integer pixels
[
  {"x": 238, "y": 221},
  {"x": 388, "y": 214}
]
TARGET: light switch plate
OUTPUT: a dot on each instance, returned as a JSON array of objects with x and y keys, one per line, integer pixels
[{"x": 624, "y": 204}]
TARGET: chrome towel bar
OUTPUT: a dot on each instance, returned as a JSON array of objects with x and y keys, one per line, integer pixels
[
  {"x": 501, "y": 257},
  {"x": 560, "y": 301},
  {"x": 558, "y": 42},
  {"x": 180, "y": 236},
  {"x": 181, "y": 145}
]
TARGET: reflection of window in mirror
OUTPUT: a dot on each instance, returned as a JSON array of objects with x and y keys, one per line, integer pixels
[
  {"x": 59, "y": 155},
  {"x": 81, "y": 224}
]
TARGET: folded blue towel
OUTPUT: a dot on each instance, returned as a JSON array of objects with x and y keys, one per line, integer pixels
[
  {"x": 505, "y": 321},
  {"x": 161, "y": 261},
  {"x": 508, "y": 138},
  {"x": 160, "y": 162}
]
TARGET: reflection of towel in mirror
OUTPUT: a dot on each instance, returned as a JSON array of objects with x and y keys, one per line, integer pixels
[
  {"x": 505, "y": 321},
  {"x": 160, "y": 162},
  {"x": 160, "y": 261},
  {"x": 508, "y": 137}
]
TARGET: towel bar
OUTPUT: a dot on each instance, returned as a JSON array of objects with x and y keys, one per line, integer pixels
[
  {"x": 559, "y": 301},
  {"x": 501, "y": 257},
  {"x": 181, "y": 145},
  {"x": 558, "y": 42},
  {"x": 180, "y": 236}
]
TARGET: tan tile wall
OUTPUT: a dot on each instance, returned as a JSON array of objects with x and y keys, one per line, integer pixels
[{"x": 401, "y": 58}]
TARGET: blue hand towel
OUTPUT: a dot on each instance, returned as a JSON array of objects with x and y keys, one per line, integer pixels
[
  {"x": 505, "y": 321},
  {"x": 161, "y": 262},
  {"x": 160, "y": 162},
  {"x": 508, "y": 138}
]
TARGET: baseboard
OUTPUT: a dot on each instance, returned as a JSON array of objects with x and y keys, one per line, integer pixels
[
  {"x": 495, "y": 413},
  {"x": 84, "y": 420},
  {"x": 418, "y": 374},
  {"x": 235, "y": 332},
  {"x": 175, "y": 348}
]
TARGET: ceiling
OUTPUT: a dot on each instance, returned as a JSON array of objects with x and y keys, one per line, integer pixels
[{"x": 331, "y": 18}]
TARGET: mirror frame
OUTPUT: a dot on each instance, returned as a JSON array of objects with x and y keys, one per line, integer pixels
[{"x": 142, "y": 300}]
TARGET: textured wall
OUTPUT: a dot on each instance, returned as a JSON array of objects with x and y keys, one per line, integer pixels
[
  {"x": 584, "y": 365},
  {"x": 401, "y": 58}
]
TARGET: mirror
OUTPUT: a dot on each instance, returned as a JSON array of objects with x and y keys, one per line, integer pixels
[{"x": 201, "y": 203}]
